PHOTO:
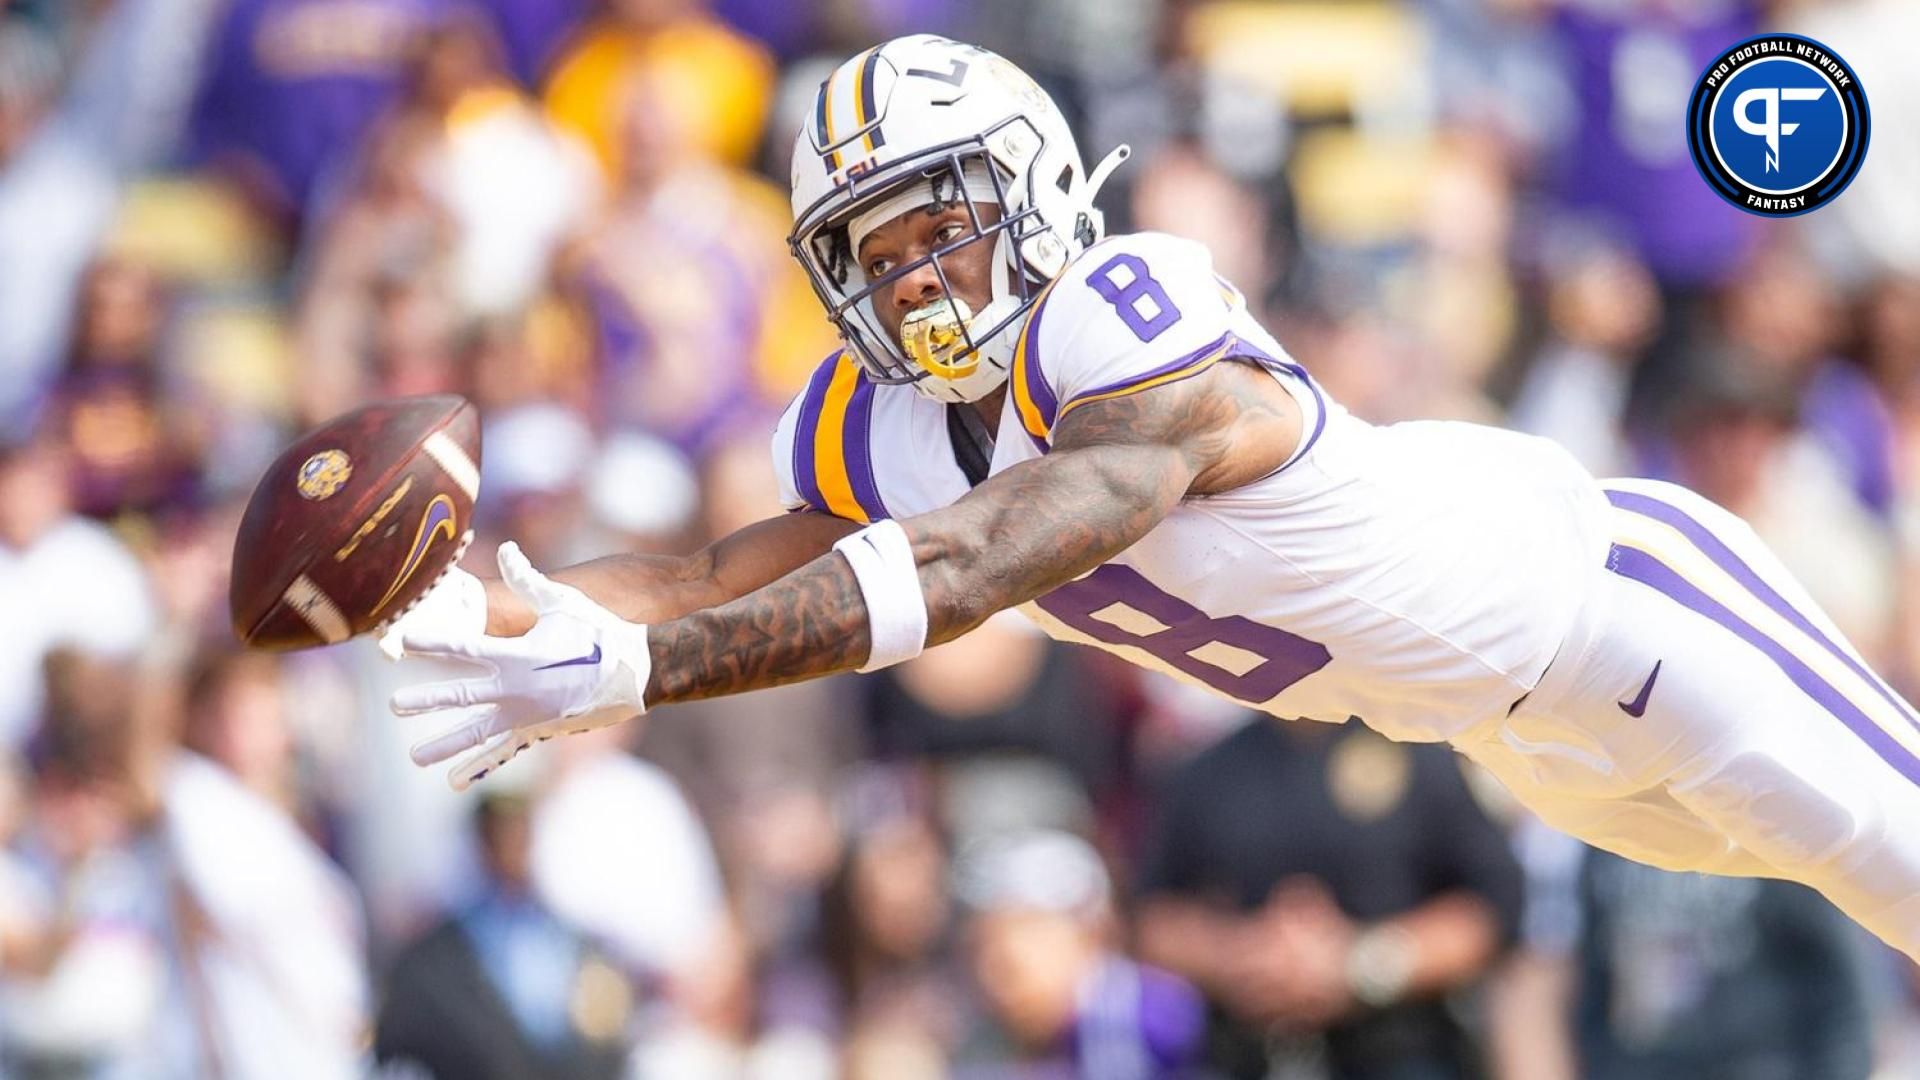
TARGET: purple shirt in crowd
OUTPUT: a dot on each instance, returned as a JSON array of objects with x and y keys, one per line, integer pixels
[
  {"x": 1137, "y": 1021},
  {"x": 1625, "y": 162},
  {"x": 1843, "y": 409},
  {"x": 1134, "y": 1023},
  {"x": 533, "y": 33},
  {"x": 292, "y": 85},
  {"x": 793, "y": 30}
]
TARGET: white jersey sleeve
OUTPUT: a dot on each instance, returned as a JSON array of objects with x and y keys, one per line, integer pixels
[
  {"x": 1132, "y": 313},
  {"x": 783, "y": 464}
]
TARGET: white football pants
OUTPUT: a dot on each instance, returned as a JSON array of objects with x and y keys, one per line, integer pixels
[{"x": 1703, "y": 714}]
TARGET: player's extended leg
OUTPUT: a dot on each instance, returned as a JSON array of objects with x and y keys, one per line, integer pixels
[{"x": 1762, "y": 719}]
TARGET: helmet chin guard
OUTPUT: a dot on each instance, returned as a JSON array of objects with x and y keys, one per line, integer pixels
[
  {"x": 935, "y": 337},
  {"x": 974, "y": 372},
  {"x": 966, "y": 354},
  {"x": 967, "y": 127}
]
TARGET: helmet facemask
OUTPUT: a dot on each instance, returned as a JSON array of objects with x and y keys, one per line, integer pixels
[{"x": 958, "y": 355}]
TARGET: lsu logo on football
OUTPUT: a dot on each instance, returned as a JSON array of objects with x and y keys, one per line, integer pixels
[
  {"x": 1778, "y": 125},
  {"x": 323, "y": 475}
]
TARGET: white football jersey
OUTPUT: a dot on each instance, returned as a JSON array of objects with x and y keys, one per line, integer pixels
[{"x": 1419, "y": 576}]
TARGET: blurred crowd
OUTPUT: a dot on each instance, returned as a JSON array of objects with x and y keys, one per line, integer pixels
[{"x": 222, "y": 221}]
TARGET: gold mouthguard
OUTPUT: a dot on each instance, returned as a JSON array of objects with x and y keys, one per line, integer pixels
[{"x": 935, "y": 337}]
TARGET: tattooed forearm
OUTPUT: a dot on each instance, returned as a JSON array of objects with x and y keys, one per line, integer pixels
[
  {"x": 811, "y": 622},
  {"x": 1049, "y": 522},
  {"x": 1118, "y": 467},
  {"x": 1017, "y": 536}
]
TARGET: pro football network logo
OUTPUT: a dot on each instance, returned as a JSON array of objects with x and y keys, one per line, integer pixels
[{"x": 1778, "y": 125}]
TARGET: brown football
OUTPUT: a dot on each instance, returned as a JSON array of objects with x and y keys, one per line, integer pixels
[{"x": 355, "y": 521}]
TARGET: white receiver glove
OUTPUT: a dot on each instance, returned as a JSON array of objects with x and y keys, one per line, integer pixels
[
  {"x": 581, "y": 667},
  {"x": 455, "y": 607}
]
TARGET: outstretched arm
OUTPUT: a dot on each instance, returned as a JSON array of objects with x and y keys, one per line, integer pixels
[
  {"x": 654, "y": 588},
  {"x": 1013, "y": 538},
  {"x": 1117, "y": 468}
]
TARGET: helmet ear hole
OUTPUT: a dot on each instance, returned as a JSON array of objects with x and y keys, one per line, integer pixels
[{"x": 1065, "y": 181}]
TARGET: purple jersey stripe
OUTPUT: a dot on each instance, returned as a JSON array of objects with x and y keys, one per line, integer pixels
[
  {"x": 1320, "y": 414},
  {"x": 1637, "y": 565},
  {"x": 1238, "y": 348},
  {"x": 1037, "y": 387},
  {"x": 1167, "y": 368},
  {"x": 857, "y": 436},
  {"x": 1723, "y": 556},
  {"x": 1248, "y": 350},
  {"x": 806, "y": 478}
]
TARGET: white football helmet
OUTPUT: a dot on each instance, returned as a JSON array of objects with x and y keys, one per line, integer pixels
[{"x": 959, "y": 122}]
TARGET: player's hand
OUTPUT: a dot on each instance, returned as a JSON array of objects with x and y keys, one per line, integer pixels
[
  {"x": 456, "y": 607},
  {"x": 579, "y": 668}
]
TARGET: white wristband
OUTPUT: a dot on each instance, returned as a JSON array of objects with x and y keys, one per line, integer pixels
[{"x": 882, "y": 561}]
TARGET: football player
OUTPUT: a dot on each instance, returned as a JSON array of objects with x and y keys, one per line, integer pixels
[{"x": 1027, "y": 412}]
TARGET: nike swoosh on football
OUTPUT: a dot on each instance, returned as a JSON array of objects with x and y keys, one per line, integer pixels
[
  {"x": 591, "y": 658},
  {"x": 1638, "y": 706}
]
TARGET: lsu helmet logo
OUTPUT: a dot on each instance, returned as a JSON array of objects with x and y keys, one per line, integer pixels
[{"x": 1778, "y": 125}]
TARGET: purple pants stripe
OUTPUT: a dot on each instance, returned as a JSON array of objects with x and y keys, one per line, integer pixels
[
  {"x": 1637, "y": 565},
  {"x": 1723, "y": 556}
]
